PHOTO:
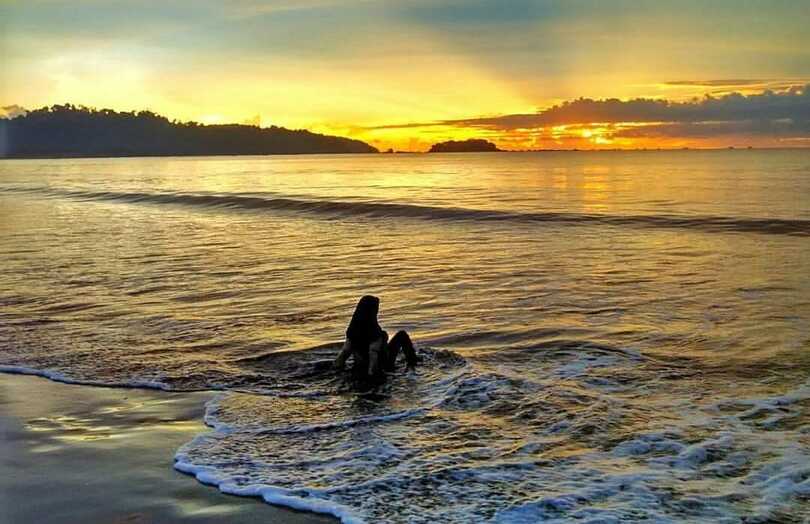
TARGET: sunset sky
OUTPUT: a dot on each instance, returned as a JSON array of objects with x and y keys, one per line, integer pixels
[{"x": 405, "y": 74}]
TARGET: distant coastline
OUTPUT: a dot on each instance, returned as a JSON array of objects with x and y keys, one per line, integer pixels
[{"x": 69, "y": 131}]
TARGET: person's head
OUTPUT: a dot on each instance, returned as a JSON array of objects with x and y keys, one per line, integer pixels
[
  {"x": 364, "y": 320},
  {"x": 367, "y": 308}
]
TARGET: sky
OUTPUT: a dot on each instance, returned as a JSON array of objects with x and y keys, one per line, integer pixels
[{"x": 526, "y": 74}]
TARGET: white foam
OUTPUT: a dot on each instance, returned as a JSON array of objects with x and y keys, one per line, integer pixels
[
  {"x": 270, "y": 494},
  {"x": 61, "y": 377},
  {"x": 415, "y": 466}
]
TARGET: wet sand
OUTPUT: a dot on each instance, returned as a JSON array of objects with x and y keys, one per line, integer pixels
[{"x": 104, "y": 455}]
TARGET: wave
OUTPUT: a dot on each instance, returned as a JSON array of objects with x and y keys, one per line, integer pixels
[
  {"x": 708, "y": 223},
  {"x": 58, "y": 376},
  {"x": 485, "y": 446}
]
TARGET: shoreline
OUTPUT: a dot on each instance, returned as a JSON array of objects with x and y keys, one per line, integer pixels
[{"x": 79, "y": 453}]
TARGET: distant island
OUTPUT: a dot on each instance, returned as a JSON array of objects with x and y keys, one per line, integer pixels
[
  {"x": 76, "y": 131},
  {"x": 473, "y": 145}
]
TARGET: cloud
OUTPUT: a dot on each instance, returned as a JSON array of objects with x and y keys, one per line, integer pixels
[
  {"x": 784, "y": 128},
  {"x": 730, "y": 82},
  {"x": 242, "y": 8},
  {"x": 790, "y": 105},
  {"x": 726, "y": 86}
]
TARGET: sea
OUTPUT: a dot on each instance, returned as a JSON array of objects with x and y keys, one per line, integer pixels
[{"x": 605, "y": 336}]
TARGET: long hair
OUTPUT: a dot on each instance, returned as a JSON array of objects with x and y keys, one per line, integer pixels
[{"x": 363, "y": 327}]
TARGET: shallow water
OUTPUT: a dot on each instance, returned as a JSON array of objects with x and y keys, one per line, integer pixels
[{"x": 607, "y": 336}]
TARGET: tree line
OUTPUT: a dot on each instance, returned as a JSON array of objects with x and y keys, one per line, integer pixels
[{"x": 77, "y": 131}]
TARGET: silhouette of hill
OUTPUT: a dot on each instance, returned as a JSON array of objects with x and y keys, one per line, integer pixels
[
  {"x": 74, "y": 131},
  {"x": 464, "y": 146}
]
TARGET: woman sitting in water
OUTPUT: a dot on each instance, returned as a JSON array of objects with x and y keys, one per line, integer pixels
[{"x": 374, "y": 354}]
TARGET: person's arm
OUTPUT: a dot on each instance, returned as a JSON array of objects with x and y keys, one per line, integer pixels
[{"x": 343, "y": 356}]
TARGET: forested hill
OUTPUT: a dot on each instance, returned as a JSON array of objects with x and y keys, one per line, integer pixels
[
  {"x": 472, "y": 145},
  {"x": 71, "y": 131}
]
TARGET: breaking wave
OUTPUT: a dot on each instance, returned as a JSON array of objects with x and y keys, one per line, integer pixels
[{"x": 777, "y": 226}]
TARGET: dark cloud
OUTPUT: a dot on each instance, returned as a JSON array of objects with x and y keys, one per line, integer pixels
[
  {"x": 703, "y": 130},
  {"x": 792, "y": 104}
]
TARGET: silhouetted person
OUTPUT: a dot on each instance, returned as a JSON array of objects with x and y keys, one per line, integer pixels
[{"x": 374, "y": 354}]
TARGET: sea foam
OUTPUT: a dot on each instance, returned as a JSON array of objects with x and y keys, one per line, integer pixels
[{"x": 456, "y": 460}]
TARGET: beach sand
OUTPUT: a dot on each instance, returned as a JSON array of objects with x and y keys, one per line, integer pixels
[{"x": 73, "y": 454}]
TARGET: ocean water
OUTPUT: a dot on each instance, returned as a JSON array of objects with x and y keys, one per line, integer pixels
[{"x": 607, "y": 337}]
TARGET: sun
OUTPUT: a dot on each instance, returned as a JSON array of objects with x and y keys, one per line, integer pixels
[{"x": 587, "y": 133}]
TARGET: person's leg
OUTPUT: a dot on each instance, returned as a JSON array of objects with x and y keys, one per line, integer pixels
[
  {"x": 376, "y": 355},
  {"x": 343, "y": 356},
  {"x": 401, "y": 341}
]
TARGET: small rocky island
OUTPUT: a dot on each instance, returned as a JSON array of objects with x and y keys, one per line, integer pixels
[{"x": 473, "y": 145}]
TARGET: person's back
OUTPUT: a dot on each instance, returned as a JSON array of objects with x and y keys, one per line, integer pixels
[{"x": 368, "y": 343}]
